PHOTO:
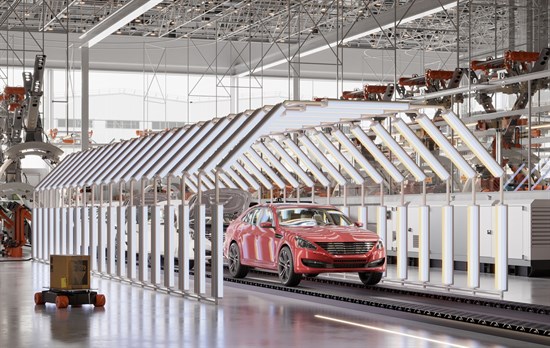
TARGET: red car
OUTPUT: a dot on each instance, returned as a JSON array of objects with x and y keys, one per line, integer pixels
[{"x": 302, "y": 239}]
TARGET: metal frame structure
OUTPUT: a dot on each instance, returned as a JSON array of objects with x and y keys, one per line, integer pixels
[{"x": 237, "y": 149}]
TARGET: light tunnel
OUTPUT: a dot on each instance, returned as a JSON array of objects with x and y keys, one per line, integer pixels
[{"x": 296, "y": 144}]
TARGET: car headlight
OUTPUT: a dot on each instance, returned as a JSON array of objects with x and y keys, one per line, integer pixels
[
  {"x": 303, "y": 243},
  {"x": 380, "y": 245}
]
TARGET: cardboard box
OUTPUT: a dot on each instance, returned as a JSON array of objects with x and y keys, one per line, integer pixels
[{"x": 69, "y": 272}]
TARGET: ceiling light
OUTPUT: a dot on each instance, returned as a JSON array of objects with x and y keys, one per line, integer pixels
[
  {"x": 376, "y": 30},
  {"x": 119, "y": 18}
]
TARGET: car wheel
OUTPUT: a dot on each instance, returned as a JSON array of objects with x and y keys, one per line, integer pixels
[
  {"x": 287, "y": 276},
  {"x": 191, "y": 264},
  {"x": 236, "y": 269},
  {"x": 370, "y": 278}
]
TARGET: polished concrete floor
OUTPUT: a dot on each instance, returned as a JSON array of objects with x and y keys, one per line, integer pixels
[{"x": 137, "y": 317}]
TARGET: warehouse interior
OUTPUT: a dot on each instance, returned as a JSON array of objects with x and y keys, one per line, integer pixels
[{"x": 424, "y": 122}]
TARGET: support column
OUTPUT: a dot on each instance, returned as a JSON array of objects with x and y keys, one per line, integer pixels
[{"x": 85, "y": 98}]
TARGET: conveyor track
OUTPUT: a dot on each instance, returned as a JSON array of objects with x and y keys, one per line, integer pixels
[{"x": 519, "y": 317}]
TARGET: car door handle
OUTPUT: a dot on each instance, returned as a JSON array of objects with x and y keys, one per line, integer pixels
[{"x": 278, "y": 235}]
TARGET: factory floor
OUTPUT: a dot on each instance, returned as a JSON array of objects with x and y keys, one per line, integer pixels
[{"x": 246, "y": 317}]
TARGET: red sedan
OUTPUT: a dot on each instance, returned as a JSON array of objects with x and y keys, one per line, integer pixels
[{"x": 302, "y": 239}]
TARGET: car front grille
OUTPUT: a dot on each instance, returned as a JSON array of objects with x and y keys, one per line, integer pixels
[{"x": 346, "y": 248}]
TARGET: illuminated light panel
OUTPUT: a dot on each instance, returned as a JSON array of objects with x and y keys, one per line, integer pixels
[{"x": 398, "y": 333}]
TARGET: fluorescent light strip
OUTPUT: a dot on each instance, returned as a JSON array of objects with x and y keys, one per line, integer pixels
[
  {"x": 246, "y": 175},
  {"x": 339, "y": 158},
  {"x": 540, "y": 126},
  {"x": 307, "y": 162},
  {"x": 419, "y": 147},
  {"x": 377, "y": 154},
  {"x": 473, "y": 144},
  {"x": 207, "y": 182},
  {"x": 444, "y": 144},
  {"x": 145, "y": 6},
  {"x": 227, "y": 180},
  {"x": 354, "y": 37},
  {"x": 237, "y": 178},
  {"x": 398, "y": 333},
  {"x": 191, "y": 184},
  {"x": 263, "y": 67},
  {"x": 257, "y": 173},
  {"x": 297, "y": 169},
  {"x": 212, "y": 177},
  {"x": 277, "y": 164},
  {"x": 347, "y": 144},
  {"x": 260, "y": 163},
  {"x": 321, "y": 158},
  {"x": 398, "y": 151}
]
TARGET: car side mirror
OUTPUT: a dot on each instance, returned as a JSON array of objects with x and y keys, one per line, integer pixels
[
  {"x": 266, "y": 224},
  {"x": 358, "y": 224}
]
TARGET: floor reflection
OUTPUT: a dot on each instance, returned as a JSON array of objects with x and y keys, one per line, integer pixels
[{"x": 138, "y": 317}]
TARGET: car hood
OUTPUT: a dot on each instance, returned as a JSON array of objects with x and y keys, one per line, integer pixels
[{"x": 332, "y": 234}]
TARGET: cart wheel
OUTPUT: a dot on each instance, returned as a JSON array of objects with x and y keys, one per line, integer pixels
[
  {"x": 38, "y": 299},
  {"x": 61, "y": 301},
  {"x": 99, "y": 300}
]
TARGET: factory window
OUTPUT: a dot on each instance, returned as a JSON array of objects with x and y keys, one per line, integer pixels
[
  {"x": 166, "y": 124},
  {"x": 122, "y": 124},
  {"x": 73, "y": 123}
]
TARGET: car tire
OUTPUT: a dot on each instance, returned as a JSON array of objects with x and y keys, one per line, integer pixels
[
  {"x": 370, "y": 278},
  {"x": 285, "y": 268},
  {"x": 236, "y": 269},
  {"x": 191, "y": 264}
]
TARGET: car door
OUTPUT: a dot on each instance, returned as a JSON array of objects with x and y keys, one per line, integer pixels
[
  {"x": 267, "y": 240},
  {"x": 247, "y": 236}
]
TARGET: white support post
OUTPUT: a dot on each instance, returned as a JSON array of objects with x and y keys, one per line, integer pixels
[
  {"x": 77, "y": 246},
  {"x": 402, "y": 243},
  {"x": 131, "y": 241},
  {"x": 200, "y": 262},
  {"x": 34, "y": 227},
  {"x": 84, "y": 220},
  {"x": 44, "y": 235},
  {"x": 363, "y": 216},
  {"x": 501, "y": 247},
  {"x": 70, "y": 223},
  {"x": 143, "y": 243},
  {"x": 59, "y": 236},
  {"x": 63, "y": 225},
  {"x": 424, "y": 244},
  {"x": 121, "y": 241},
  {"x": 184, "y": 244},
  {"x": 101, "y": 232},
  {"x": 92, "y": 211},
  {"x": 155, "y": 244},
  {"x": 169, "y": 245},
  {"x": 381, "y": 223},
  {"x": 51, "y": 228},
  {"x": 217, "y": 244},
  {"x": 473, "y": 246},
  {"x": 111, "y": 237},
  {"x": 447, "y": 245},
  {"x": 57, "y": 229}
]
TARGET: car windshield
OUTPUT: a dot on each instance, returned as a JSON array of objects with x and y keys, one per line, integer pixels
[{"x": 312, "y": 217}]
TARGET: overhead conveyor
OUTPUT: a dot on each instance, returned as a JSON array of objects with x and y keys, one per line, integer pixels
[{"x": 303, "y": 144}]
